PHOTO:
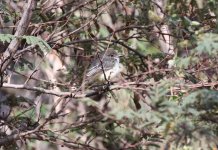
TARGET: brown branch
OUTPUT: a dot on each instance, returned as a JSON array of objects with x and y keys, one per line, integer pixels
[
  {"x": 194, "y": 86},
  {"x": 37, "y": 89},
  {"x": 89, "y": 23},
  {"x": 127, "y": 85},
  {"x": 75, "y": 9},
  {"x": 40, "y": 80}
]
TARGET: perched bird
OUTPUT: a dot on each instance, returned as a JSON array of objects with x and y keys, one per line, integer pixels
[{"x": 104, "y": 67}]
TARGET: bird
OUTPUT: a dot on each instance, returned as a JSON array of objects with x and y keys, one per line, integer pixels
[{"x": 104, "y": 67}]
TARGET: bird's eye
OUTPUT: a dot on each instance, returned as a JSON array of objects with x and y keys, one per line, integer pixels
[{"x": 112, "y": 55}]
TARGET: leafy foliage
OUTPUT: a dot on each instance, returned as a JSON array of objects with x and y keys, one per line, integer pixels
[
  {"x": 6, "y": 38},
  {"x": 207, "y": 44},
  {"x": 31, "y": 40}
]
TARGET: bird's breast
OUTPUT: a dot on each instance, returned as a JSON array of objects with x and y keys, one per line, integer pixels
[{"x": 110, "y": 74}]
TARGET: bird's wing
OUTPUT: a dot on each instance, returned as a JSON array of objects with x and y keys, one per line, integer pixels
[{"x": 96, "y": 66}]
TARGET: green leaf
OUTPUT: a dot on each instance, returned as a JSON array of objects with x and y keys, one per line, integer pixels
[
  {"x": 32, "y": 40},
  {"x": 195, "y": 23},
  {"x": 147, "y": 49},
  {"x": 104, "y": 32},
  {"x": 6, "y": 38},
  {"x": 207, "y": 44}
]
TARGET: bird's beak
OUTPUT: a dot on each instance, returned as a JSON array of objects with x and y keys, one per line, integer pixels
[{"x": 120, "y": 55}]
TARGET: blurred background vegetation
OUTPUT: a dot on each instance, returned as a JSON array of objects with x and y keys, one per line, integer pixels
[{"x": 164, "y": 98}]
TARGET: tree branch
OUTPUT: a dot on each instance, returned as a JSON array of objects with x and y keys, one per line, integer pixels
[{"x": 21, "y": 29}]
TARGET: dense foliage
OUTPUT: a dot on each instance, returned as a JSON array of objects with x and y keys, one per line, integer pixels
[{"x": 164, "y": 98}]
